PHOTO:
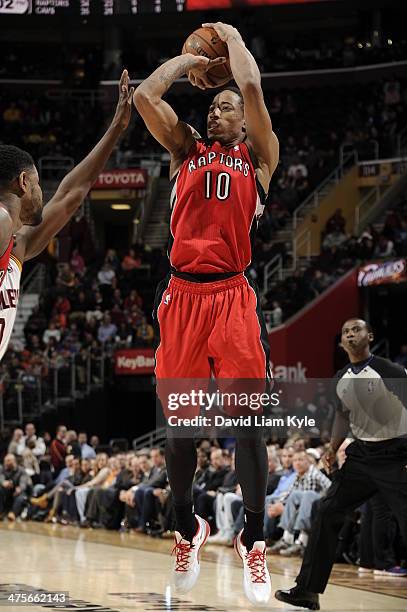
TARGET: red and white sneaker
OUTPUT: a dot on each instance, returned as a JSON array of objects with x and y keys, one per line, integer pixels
[
  {"x": 186, "y": 566},
  {"x": 256, "y": 577}
]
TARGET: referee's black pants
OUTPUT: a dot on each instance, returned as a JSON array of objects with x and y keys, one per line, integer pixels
[
  {"x": 377, "y": 534},
  {"x": 370, "y": 467}
]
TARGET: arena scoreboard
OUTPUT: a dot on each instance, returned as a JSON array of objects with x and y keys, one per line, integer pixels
[{"x": 88, "y": 8}]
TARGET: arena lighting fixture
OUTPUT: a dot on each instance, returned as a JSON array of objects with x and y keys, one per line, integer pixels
[{"x": 120, "y": 206}]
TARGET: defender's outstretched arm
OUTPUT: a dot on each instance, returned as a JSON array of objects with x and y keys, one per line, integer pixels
[{"x": 77, "y": 183}]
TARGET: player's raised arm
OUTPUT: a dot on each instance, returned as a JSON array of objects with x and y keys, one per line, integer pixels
[
  {"x": 77, "y": 183},
  {"x": 246, "y": 73},
  {"x": 159, "y": 117}
]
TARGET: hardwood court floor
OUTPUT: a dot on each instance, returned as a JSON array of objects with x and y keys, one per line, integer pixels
[{"x": 108, "y": 571}]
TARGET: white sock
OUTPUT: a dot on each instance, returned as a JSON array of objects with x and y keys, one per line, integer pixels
[
  {"x": 303, "y": 538},
  {"x": 288, "y": 537}
]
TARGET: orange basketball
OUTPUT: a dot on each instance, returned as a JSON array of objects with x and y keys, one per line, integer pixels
[{"x": 206, "y": 42}]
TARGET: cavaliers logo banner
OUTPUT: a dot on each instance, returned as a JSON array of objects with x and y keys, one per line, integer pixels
[{"x": 381, "y": 273}]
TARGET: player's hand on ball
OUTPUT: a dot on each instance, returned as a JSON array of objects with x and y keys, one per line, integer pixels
[
  {"x": 124, "y": 105},
  {"x": 198, "y": 76},
  {"x": 225, "y": 31}
]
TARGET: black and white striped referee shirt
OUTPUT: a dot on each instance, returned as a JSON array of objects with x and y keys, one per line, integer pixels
[{"x": 374, "y": 394}]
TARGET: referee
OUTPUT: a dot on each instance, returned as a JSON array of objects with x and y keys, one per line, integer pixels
[{"x": 371, "y": 399}]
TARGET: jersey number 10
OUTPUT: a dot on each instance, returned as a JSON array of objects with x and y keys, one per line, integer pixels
[{"x": 221, "y": 187}]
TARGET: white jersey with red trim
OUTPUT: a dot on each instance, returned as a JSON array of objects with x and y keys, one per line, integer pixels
[{"x": 9, "y": 294}]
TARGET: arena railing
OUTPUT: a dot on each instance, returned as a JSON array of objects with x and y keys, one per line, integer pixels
[
  {"x": 365, "y": 207},
  {"x": 367, "y": 71},
  {"x": 54, "y": 168},
  {"x": 92, "y": 96},
  {"x": 375, "y": 200},
  {"x": 152, "y": 438},
  {"x": 67, "y": 380},
  {"x": 379, "y": 197},
  {"x": 401, "y": 147},
  {"x": 312, "y": 202},
  {"x": 34, "y": 282},
  {"x": 275, "y": 269},
  {"x": 19, "y": 399},
  {"x": 304, "y": 78}
]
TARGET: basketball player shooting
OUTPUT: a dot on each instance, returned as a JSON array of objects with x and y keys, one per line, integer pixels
[
  {"x": 207, "y": 309},
  {"x": 25, "y": 226}
]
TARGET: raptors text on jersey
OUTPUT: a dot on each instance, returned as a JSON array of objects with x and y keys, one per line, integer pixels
[
  {"x": 9, "y": 294},
  {"x": 216, "y": 202}
]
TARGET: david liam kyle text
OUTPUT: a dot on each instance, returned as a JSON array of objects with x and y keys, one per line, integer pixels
[{"x": 241, "y": 421}]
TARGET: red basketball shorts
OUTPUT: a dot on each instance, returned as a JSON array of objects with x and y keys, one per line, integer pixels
[{"x": 214, "y": 328}]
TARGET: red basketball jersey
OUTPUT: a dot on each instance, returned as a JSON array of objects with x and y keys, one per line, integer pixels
[
  {"x": 216, "y": 201},
  {"x": 5, "y": 260}
]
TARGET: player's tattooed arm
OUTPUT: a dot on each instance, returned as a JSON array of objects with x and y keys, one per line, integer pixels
[
  {"x": 162, "y": 79},
  {"x": 77, "y": 183},
  {"x": 246, "y": 73},
  {"x": 160, "y": 118}
]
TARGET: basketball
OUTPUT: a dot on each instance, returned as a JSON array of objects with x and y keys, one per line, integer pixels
[{"x": 206, "y": 42}]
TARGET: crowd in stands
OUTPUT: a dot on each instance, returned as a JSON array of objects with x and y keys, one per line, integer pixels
[
  {"x": 69, "y": 481},
  {"x": 87, "y": 309},
  {"x": 97, "y": 301},
  {"x": 350, "y": 115},
  {"x": 84, "y": 66},
  {"x": 45, "y": 126},
  {"x": 74, "y": 64},
  {"x": 309, "y": 53},
  {"x": 88, "y": 305},
  {"x": 93, "y": 308},
  {"x": 341, "y": 251},
  {"x": 306, "y": 55}
]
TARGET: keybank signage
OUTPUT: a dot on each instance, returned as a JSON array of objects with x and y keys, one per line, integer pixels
[{"x": 291, "y": 373}]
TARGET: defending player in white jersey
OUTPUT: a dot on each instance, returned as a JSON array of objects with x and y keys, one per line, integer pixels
[{"x": 25, "y": 226}]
